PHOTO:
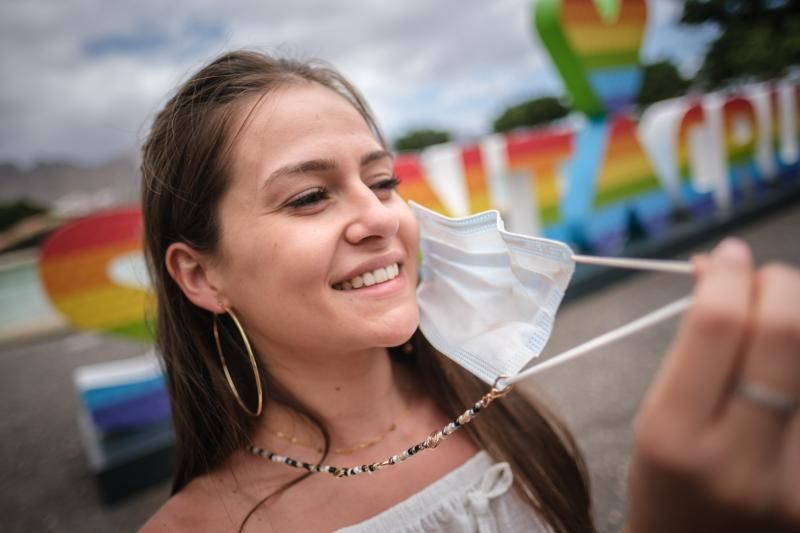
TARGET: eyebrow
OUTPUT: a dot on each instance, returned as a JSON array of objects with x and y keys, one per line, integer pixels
[{"x": 322, "y": 165}]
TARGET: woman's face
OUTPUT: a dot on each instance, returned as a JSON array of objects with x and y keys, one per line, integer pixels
[{"x": 318, "y": 252}]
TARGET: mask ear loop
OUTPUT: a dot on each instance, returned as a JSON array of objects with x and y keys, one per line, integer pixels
[
  {"x": 653, "y": 265},
  {"x": 500, "y": 388},
  {"x": 654, "y": 317}
]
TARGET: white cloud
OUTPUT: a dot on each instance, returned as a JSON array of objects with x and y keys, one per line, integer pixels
[
  {"x": 80, "y": 89},
  {"x": 684, "y": 45}
]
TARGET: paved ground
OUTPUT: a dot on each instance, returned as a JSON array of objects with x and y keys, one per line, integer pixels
[{"x": 46, "y": 485}]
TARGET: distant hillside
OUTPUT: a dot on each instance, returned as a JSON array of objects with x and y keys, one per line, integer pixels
[{"x": 71, "y": 189}]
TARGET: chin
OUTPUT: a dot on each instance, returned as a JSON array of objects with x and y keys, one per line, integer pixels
[{"x": 399, "y": 331}]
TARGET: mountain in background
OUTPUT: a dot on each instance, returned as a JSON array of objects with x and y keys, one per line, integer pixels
[{"x": 69, "y": 189}]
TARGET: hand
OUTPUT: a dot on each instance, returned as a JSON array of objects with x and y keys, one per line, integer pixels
[{"x": 711, "y": 453}]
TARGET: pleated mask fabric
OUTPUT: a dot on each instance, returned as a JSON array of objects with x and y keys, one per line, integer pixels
[{"x": 488, "y": 297}]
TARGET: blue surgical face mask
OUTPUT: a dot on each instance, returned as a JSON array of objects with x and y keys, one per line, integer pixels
[{"x": 488, "y": 297}]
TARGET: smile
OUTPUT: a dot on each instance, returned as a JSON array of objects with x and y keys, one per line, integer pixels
[{"x": 368, "y": 279}]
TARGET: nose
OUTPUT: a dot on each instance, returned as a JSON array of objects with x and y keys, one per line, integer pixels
[{"x": 371, "y": 218}]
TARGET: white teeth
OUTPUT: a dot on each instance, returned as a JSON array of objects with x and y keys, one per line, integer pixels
[{"x": 367, "y": 279}]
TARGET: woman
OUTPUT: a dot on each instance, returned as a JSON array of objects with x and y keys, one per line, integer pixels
[{"x": 272, "y": 228}]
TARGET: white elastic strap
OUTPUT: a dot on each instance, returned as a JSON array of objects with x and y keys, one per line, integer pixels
[
  {"x": 657, "y": 265},
  {"x": 659, "y": 315}
]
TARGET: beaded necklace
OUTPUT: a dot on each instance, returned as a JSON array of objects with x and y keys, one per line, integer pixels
[{"x": 432, "y": 441}]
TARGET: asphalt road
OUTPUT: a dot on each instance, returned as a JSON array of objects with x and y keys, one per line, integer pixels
[{"x": 47, "y": 486}]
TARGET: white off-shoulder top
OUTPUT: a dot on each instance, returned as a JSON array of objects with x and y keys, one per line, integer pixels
[{"x": 475, "y": 497}]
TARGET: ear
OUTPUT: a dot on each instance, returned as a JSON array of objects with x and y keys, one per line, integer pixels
[{"x": 192, "y": 271}]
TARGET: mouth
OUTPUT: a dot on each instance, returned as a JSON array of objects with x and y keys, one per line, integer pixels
[{"x": 370, "y": 278}]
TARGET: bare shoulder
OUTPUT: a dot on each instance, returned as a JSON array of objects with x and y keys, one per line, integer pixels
[
  {"x": 199, "y": 507},
  {"x": 189, "y": 510},
  {"x": 219, "y": 501},
  {"x": 167, "y": 518}
]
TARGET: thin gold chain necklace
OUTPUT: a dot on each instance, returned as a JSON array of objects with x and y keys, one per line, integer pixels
[{"x": 342, "y": 451}]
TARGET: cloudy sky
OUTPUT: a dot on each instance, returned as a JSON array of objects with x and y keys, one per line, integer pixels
[{"x": 82, "y": 78}]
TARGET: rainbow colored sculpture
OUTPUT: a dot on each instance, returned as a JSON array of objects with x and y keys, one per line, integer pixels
[
  {"x": 595, "y": 47},
  {"x": 622, "y": 173},
  {"x": 77, "y": 268}
]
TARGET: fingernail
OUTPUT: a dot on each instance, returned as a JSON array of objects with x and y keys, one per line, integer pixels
[{"x": 733, "y": 250}]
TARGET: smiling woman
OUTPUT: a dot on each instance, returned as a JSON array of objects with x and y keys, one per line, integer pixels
[
  {"x": 269, "y": 202},
  {"x": 285, "y": 268}
]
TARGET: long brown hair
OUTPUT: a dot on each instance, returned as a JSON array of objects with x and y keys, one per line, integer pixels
[{"x": 185, "y": 165}]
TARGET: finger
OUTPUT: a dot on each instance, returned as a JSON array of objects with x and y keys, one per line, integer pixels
[
  {"x": 790, "y": 471},
  {"x": 703, "y": 357},
  {"x": 771, "y": 364},
  {"x": 752, "y": 425}
]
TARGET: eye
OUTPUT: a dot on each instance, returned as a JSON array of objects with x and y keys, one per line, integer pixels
[
  {"x": 385, "y": 185},
  {"x": 308, "y": 198}
]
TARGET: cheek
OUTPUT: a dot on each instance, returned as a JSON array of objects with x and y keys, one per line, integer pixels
[
  {"x": 278, "y": 283},
  {"x": 409, "y": 230},
  {"x": 409, "y": 234},
  {"x": 300, "y": 260}
]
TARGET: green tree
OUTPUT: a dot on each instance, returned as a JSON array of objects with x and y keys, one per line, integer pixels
[
  {"x": 530, "y": 113},
  {"x": 11, "y": 213},
  {"x": 660, "y": 81},
  {"x": 758, "y": 39},
  {"x": 419, "y": 139}
]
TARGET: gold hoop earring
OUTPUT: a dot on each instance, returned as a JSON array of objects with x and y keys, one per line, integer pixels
[{"x": 257, "y": 412}]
